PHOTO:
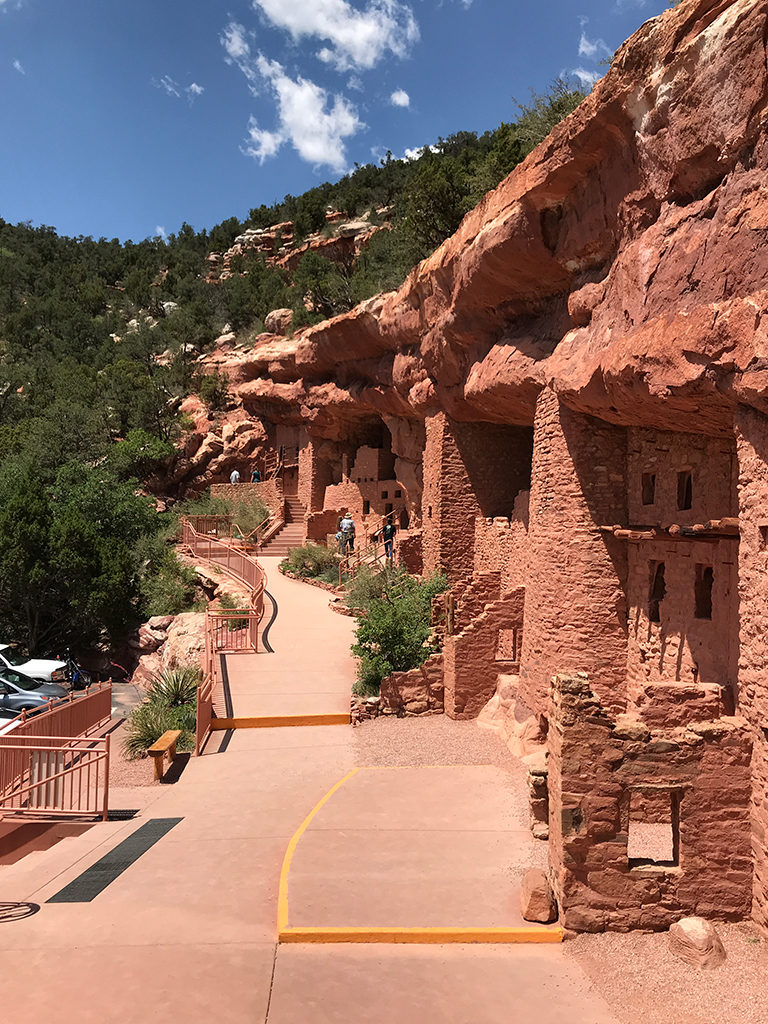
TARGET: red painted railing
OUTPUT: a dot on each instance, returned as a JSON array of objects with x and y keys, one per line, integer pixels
[
  {"x": 226, "y": 630},
  {"x": 54, "y": 775},
  {"x": 75, "y": 715}
]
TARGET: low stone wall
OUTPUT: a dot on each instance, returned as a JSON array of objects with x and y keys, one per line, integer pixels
[
  {"x": 417, "y": 692},
  {"x": 270, "y": 492}
]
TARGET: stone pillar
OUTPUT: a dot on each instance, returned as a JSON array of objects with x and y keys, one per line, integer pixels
[
  {"x": 575, "y": 608},
  {"x": 449, "y": 507},
  {"x": 752, "y": 446}
]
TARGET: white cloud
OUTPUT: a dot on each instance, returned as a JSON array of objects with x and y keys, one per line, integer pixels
[
  {"x": 593, "y": 48},
  {"x": 160, "y": 232},
  {"x": 172, "y": 88},
  {"x": 315, "y": 123},
  {"x": 17, "y": 65},
  {"x": 357, "y": 39},
  {"x": 400, "y": 98},
  {"x": 235, "y": 43},
  {"x": 586, "y": 77}
]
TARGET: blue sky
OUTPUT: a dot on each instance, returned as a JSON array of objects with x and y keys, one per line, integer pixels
[{"x": 127, "y": 118}]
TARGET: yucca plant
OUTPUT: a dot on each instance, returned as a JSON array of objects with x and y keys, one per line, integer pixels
[{"x": 175, "y": 687}]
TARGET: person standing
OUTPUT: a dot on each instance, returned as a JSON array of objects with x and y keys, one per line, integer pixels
[
  {"x": 255, "y": 476},
  {"x": 387, "y": 534},
  {"x": 234, "y": 477},
  {"x": 347, "y": 527}
]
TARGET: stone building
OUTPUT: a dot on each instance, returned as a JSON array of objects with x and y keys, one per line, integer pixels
[{"x": 566, "y": 409}]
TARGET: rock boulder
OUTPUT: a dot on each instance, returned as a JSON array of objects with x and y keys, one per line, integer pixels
[
  {"x": 695, "y": 941},
  {"x": 536, "y": 900}
]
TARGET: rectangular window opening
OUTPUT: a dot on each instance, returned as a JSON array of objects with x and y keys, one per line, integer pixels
[
  {"x": 398, "y": 494},
  {"x": 385, "y": 494},
  {"x": 366, "y": 506},
  {"x": 657, "y": 590},
  {"x": 508, "y": 645},
  {"x": 649, "y": 488},
  {"x": 684, "y": 489},
  {"x": 387, "y": 508},
  {"x": 763, "y": 538},
  {"x": 654, "y": 828},
  {"x": 705, "y": 577}
]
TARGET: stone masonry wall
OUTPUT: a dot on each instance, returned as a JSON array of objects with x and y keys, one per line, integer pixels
[
  {"x": 501, "y": 545},
  {"x": 752, "y": 442},
  {"x": 471, "y": 470},
  {"x": 575, "y": 611},
  {"x": 269, "y": 491},
  {"x": 471, "y": 668},
  {"x": 705, "y": 770}
]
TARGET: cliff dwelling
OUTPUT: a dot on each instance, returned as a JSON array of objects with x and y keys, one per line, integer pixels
[{"x": 564, "y": 410}]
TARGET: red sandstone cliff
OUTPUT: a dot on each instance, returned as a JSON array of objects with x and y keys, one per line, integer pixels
[{"x": 623, "y": 263}]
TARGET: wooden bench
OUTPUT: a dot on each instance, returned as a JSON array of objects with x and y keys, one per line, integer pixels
[{"x": 166, "y": 744}]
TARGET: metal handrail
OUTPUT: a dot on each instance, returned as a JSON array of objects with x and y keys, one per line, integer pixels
[
  {"x": 351, "y": 564},
  {"x": 238, "y": 562},
  {"x": 61, "y": 775}
]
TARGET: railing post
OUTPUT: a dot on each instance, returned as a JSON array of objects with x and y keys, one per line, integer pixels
[{"x": 105, "y": 808}]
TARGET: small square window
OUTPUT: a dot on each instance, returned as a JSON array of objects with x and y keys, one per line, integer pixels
[
  {"x": 398, "y": 494},
  {"x": 684, "y": 490},
  {"x": 385, "y": 494},
  {"x": 649, "y": 488},
  {"x": 654, "y": 828}
]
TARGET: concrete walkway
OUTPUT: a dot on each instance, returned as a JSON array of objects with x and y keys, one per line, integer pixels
[
  {"x": 188, "y": 930},
  {"x": 310, "y": 672}
]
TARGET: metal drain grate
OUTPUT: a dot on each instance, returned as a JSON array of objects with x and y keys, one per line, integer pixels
[{"x": 98, "y": 876}]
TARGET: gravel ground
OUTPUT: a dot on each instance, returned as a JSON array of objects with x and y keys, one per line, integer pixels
[
  {"x": 430, "y": 739},
  {"x": 645, "y": 984},
  {"x": 124, "y": 773}
]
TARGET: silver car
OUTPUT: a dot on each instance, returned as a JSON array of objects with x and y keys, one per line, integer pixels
[{"x": 20, "y": 693}]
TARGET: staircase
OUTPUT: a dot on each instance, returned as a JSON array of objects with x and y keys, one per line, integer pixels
[{"x": 291, "y": 535}]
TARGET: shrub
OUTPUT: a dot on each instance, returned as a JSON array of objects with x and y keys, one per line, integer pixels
[
  {"x": 229, "y": 603},
  {"x": 395, "y": 634},
  {"x": 171, "y": 704},
  {"x": 367, "y": 586},
  {"x": 148, "y": 722},
  {"x": 312, "y": 561},
  {"x": 214, "y": 389},
  {"x": 166, "y": 584}
]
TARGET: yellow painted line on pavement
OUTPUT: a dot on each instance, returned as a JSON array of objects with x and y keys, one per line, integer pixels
[
  {"x": 278, "y": 721},
  {"x": 282, "y": 892},
  {"x": 436, "y": 936}
]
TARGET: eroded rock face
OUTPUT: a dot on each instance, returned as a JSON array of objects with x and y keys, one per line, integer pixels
[{"x": 622, "y": 263}]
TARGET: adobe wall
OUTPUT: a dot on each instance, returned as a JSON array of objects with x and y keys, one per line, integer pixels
[
  {"x": 471, "y": 471},
  {"x": 501, "y": 544},
  {"x": 575, "y": 609},
  {"x": 471, "y": 658},
  {"x": 682, "y": 647},
  {"x": 704, "y": 770},
  {"x": 752, "y": 444}
]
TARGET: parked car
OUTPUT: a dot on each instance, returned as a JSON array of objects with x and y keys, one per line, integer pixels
[
  {"x": 46, "y": 669},
  {"x": 20, "y": 693}
]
